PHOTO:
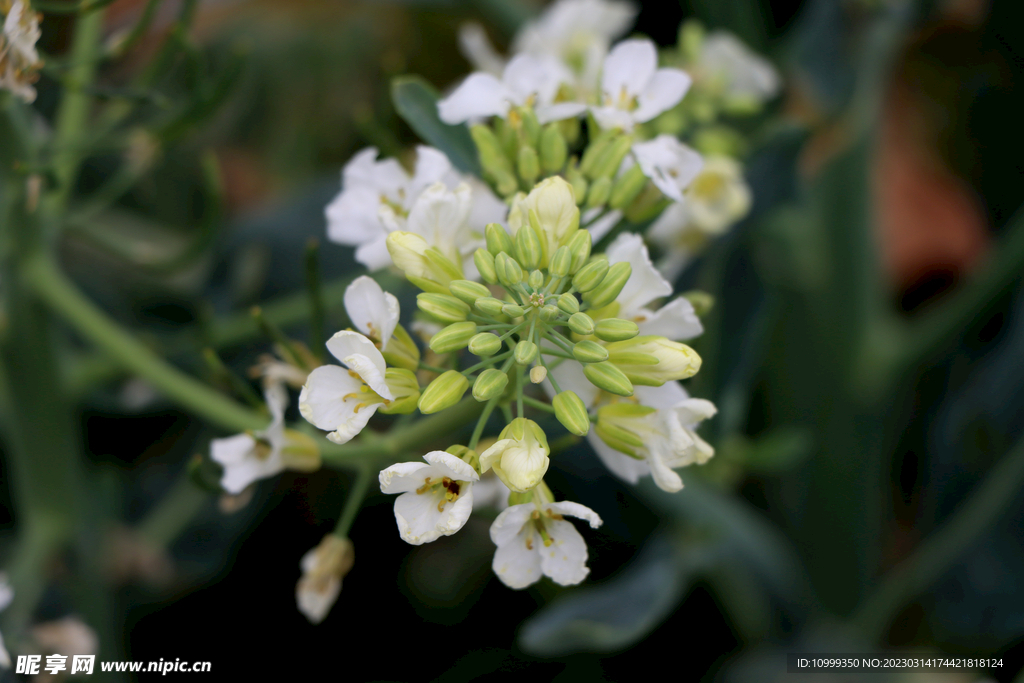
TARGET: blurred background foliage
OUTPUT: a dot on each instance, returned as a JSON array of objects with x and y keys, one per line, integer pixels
[{"x": 865, "y": 352}]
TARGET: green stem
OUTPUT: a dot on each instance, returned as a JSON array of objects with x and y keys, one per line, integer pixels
[
  {"x": 489, "y": 361},
  {"x": 354, "y": 500},
  {"x": 540, "y": 405},
  {"x": 165, "y": 522},
  {"x": 482, "y": 422},
  {"x": 432, "y": 368},
  {"x": 559, "y": 354},
  {"x": 558, "y": 342}
]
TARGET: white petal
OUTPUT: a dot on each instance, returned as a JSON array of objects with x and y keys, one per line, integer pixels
[
  {"x": 645, "y": 283},
  {"x": 5, "y": 657},
  {"x": 539, "y": 77},
  {"x": 403, "y": 477},
  {"x": 669, "y": 226},
  {"x": 694, "y": 410},
  {"x": 546, "y": 113},
  {"x": 450, "y": 466},
  {"x": 628, "y": 68},
  {"x": 352, "y": 216},
  {"x": 479, "y": 96},
  {"x": 664, "y": 477},
  {"x": 418, "y": 517},
  {"x": 493, "y": 454},
  {"x": 669, "y": 164},
  {"x": 432, "y": 166},
  {"x": 373, "y": 253},
  {"x": 675, "y": 320},
  {"x": 507, "y": 525},
  {"x": 621, "y": 465},
  {"x": 440, "y": 216},
  {"x": 567, "y": 507},
  {"x": 361, "y": 356},
  {"x": 602, "y": 226},
  {"x": 313, "y": 603},
  {"x": 663, "y": 92},
  {"x": 516, "y": 563},
  {"x": 668, "y": 395},
  {"x": 384, "y": 177},
  {"x": 565, "y": 560},
  {"x": 486, "y": 207},
  {"x": 241, "y": 464},
  {"x": 371, "y": 309},
  {"x": 570, "y": 377},
  {"x": 613, "y": 117},
  {"x": 326, "y": 402}
]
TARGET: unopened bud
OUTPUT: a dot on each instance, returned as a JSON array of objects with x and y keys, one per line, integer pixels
[
  {"x": 513, "y": 310},
  {"x": 548, "y": 312},
  {"x": 627, "y": 187},
  {"x": 615, "y": 329},
  {"x": 568, "y": 303},
  {"x": 493, "y": 160},
  {"x": 560, "y": 262},
  {"x": 402, "y": 351},
  {"x": 611, "y": 285},
  {"x": 484, "y": 344},
  {"x": 580, "y": 246},
  {"x": 538, "y": 373},
  {"x": 444, "y": 307},
  {"x": 535, "y": 280},
  {"x": 444, "y": 392},
  {"x": 467, "y": 290},
  {"x": 589, "y": 351},
  {"x": 484, "y": 262},
  {"x": 512, "y": 270},
  {"x": 530, "y": 125},
  {"x": 599, "y": 192},
  {"x": 526, "y": 352},
  {"x": 528, "y": 249},
  {"x": 611, "y": 158},
  {"x": 528, "y": 164},
  {"x": 405, "y": 388},
  {"x": 571, "y": 412},
  {"x": 489, "y": 306},
  {"x": 553, "y": 150},
  {"x": 498, "y": 240},
  {"x": 488, "y": 384},
  {"x": 581, "y": 323},
  {"x": 578, "y": 183},
  {"x": 452, "y": 338},
  {"x": 604, "y": 376},
  {"x": 590, "y": 275},
  {"x": 595, "y": 150}
]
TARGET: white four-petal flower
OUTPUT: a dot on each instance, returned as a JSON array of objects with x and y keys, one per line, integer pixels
[
  {"x": 436, "y": 499},
  {"x": 670, "y": 164},
  {"x": 534, "y": 539},
  {"x": 634, "y": 89},
  {"x": 373, "y": 311}
]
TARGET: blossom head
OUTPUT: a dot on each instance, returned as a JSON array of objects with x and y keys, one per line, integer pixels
[
  {"x": 633, "y": 89},
  {"x": 323, "y": 568},
  {"x": 435, "y": 499}
]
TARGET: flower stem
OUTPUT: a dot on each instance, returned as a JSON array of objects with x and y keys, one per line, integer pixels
[
  {"x": 540, "y": 405},
  {"x": 354, "y": 500},
  {"x": 482, "y": 422}
]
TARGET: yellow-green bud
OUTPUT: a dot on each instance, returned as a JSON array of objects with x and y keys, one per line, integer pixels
[
  {"x": 536, "y": 279},
  {"x": 424, "y": 266},
  {"x": 488, "y": 384},
  {"x": 553, "y": 150},
  {"x": 507, "y": 136},
  {"x": 590, "y": 275},
  {"x": 530, "y": 125},
  {"x": 548, "y": 312},
  {"x": 615, "y": 329},
  {"x": 498, "y": 240},
  {"x": 444, "y": 307},
  {"x": 401, "y": 351},
  {"x": 526, "y": 352},
  {"x": 489, "y": 306},
  {"x": 577, "y": 181},
  {"x": 485, "y": 264},
  {"x": 702, "y": 302},
  {"x": 611, "y": 426},
  {"x": 580, "y": 245},
  {"x": 570, "y": 129},
  {"x": 513, "y": 310},
  {"x": 405, "y": 388},
  {"x": 611, "y": 158},
  {"x": 513, "y": 273},
  {"x": 528, "y": 249},
  {"x": 465, "y": 454},
  {"x": 444, "y": 392},
  {"x": 599, "y": 192},
  {"x": 468, "y": 291},
  {"x": 571, "y": 412},
  {"x": 538, "y": 373},
  {"x": 561, "y": 262},
  {"x": 595, "y": 150},
  {"x": 608, "y": 377},
  {"x": 588, "y": 351},
  {"x": 627, "y": 187},
  {"x": 528, "y": 164},
  {"x": 493, "y": 159},
  {"x": 568, "y": 303},
  {"x": 672, "y": 360},
  {"x": 581, "y": 324},
  {"x": 452, "y": 338},
  {"x": 484, "y": 344},
  {"x": 610, "y": 287}
]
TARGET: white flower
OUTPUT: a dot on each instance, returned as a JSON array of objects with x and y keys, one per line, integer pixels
[
  {"x": 343, "y": 401},
  {"x": 675, "y": 320},
  {"x": 68, "y": 635},
  {"x": 436, "y": 499},
  {"x": 377, "y": 197},
  {"x": 519, "y": 456},
  {"x": 6, "y": 595},
  {"x": 19, "y": 60},
  {"x": 373, "y": 311},
  {"x": 669, "y": 164},
  {"x": 323, "y": 568},
  {"x": 476, "y": 47},
  {"x": 741, "y": 74},
  {"x": 535, "y": 539},
  {"x": 249, "y": 457},
  {"x": 634, "y": 89},
  {"x": 525, "y": 81},
  {"x": 658, "y": 435}
]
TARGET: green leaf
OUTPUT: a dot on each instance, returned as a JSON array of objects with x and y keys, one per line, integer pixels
[{"x": 416, "y": 101}]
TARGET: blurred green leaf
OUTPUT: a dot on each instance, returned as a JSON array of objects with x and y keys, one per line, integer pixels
[
  {"x": 416, "y": 101},
  {"x": 777, "y": 451}
]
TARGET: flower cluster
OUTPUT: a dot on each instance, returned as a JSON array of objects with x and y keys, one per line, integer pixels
[{"x": 19, "y": 60}]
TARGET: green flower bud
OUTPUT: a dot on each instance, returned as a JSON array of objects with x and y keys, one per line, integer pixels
[
  {"x": 610, "y": 287},
  {"x": 595, "y": 150},
  {"x": 580, "y": 245},
  {"x": 468, "y": 291},
  {"x": 568, "y": 303},
  {"x": 423, "y": 265},
  {"x": 452, "y": 338},
  {"x": 526, "y": 352},
  {"x": 512, "y": 270},
  {"x": 444, "y": 392},
  {"x": 627, "y": 188},
  {"x": 495, "y": 163},
  {"x": 465, "y": 454},
  {"x": 612, "y": 426},
  {"x": 401, "y": 351},
  {"x": 606, "y": 165},
  {"x": 536, "y": 279},
  {"x": 485, "y": 264},
  {"x": 538, "y": 373},
  {"x": 553, "y": 150},
  {"x": 588, "y": 351},
  {"x": 484, "y": 344},
  {"x": 590, "y": 275},
  {"x": 488, "y": 384},
  {"x": 702, "y": 302},
  {"x": 672, "y": 360},
  {"x": 548, "y": 312},
  {"x": 577, "y": 181},
  {"x": 498, "y": 240},
  {"x": 599, "y": 192},
  {"x": 550, "y": 209},
  {"x": 615, "y": 329},
  {"x": 513, "y": 310},
  {"x": 528, "y": 164},
  {"x": 489, "y": 306},
  {"x": 444, "y": 307},
  {"x": 608, "y": 377},
  {"x": 581, "y": 323},
  {"x": 570, "y": 129},
  {"x": 405, "y": 388},
  {"x": 571, "y": 412},
  {"x": 530, "y": 125},
  {"x": 561, "y": 262}
]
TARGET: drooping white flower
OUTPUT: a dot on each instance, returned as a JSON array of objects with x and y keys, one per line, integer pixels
[
  {"x": 6, "y": 596},
  {"x": 520, "y": 455},
  {"x": 670, "y": 164},
  {"x": 323, "y": 568},
  {"x": 675, "y": 320},
  {"x": 373, "y": 311},
  {"x": 19, "y": 59},
  {"x": 634, "y": 89},
  {"x": 249, "y": 457},
  {"x": 343, "y": 401},
  {"x": 378, "y": 196},
  {"x": 654, "y": 436},
  {"x": 525, "y": 81},
  {"x": 534, "y": 539},
  {"x": 739, "y": 73},
  {"x": 436, "y": 499}
]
